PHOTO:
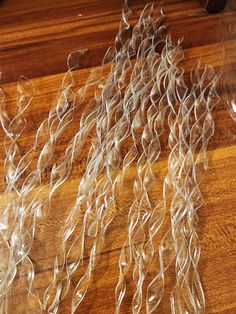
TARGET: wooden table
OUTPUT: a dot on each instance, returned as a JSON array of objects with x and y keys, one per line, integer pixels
[{"x": 36, "y": 37}]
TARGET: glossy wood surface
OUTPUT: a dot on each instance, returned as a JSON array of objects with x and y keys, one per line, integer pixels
[{"x": 36, "y": 37}]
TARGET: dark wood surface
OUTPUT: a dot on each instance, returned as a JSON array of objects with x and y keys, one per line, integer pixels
[{"x": 36, "y": 37}]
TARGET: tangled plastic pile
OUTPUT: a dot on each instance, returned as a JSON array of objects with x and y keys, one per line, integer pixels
[{"x": 139, "y": 92}]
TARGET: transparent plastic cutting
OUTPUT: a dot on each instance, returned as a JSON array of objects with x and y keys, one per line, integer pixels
[{"x": 140, "y": 92}]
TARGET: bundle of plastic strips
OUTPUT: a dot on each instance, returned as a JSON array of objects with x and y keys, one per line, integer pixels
[{"x": 139, "y": 93}]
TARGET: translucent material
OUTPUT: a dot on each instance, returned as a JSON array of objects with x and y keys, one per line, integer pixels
[{"x": 139, "y": 92}]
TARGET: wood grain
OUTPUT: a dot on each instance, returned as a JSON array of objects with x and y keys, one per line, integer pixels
[{"x": 36, "y": 37}]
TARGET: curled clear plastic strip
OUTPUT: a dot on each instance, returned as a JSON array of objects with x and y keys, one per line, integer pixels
[
  {"x": 14, "y": 168},
  {"x": 143, "y": 95}
]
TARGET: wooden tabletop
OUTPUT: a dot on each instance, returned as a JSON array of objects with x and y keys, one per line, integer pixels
[{"x": 36, "y": 38}]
